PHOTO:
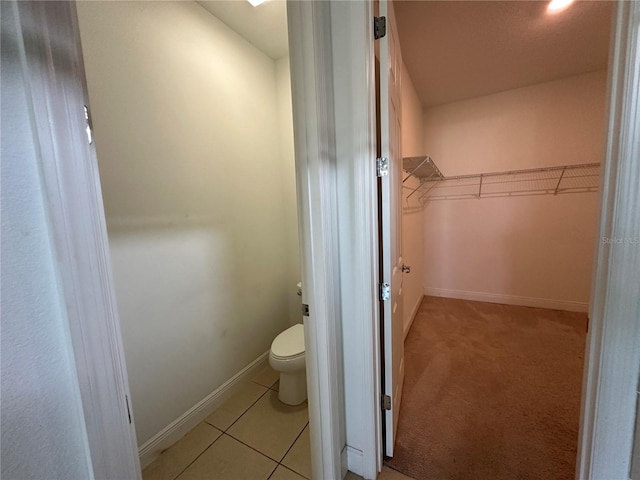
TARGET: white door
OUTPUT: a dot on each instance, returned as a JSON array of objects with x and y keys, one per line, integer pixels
[{"x": 391, "y": 217}]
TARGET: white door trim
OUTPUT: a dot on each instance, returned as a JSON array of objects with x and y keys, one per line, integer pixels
[
  {"x": 315, "y": 152},
  {"x": 57, "y": 94},
  {"x": 354, "y": 92},
  {"x": 612, "y": 361}
]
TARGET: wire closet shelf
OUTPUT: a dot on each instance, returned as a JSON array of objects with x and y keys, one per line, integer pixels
[{"x": 535, "y": 181}]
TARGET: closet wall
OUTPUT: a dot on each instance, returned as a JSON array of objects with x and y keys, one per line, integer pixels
[
  {"x": 534, "y": 250},
  {"x": 189, "y": 118}
]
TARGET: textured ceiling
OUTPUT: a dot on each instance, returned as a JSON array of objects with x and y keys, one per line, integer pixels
[
  {"x": 265, "y": 26},
  {"x": 463, "y": 49}
]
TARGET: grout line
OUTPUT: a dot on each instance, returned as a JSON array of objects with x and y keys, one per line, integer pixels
[
  {"x": 292, "y": 470},
  {"x": 294, "y": 442},
  {"x": 289, "y": 468},
  {"x": 274, "y": 471},
  {"x": 248, "y": 408},
  {"x": 252, "y": 448},
  {"x": 225, "y": 431},
  {"x": 265, "y": 386},
  {"x": 202, "y": 453}
]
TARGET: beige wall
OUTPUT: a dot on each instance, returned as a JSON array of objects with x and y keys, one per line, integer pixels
[
  {"x": 287, "y": 153},
  {"x": 529, "y": 247},
  {"x": 187, "y": 118},
  {"x": 412, "y": 218}
]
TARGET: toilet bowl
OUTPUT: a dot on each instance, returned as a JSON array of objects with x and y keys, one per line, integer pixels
[{"x": 287, "y": 357}]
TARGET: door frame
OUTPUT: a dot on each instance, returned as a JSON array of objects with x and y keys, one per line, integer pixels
[
  {"x": 353, "y": 70},
  {"x": 314, "y": 125},
  {"x": 612, "y": 360}
]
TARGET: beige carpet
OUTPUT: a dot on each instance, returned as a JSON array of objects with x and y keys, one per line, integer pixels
[{"x": 491, "y": 392}]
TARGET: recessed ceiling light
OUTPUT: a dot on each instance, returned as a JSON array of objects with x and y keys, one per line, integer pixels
[
  {"x": 558, "y": 5},
  {"x": 255, "y": 3}
]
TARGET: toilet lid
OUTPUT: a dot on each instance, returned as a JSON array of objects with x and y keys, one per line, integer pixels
[{"x": 290, "y": 342}]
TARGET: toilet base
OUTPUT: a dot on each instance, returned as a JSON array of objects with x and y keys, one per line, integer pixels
[{"x": 293, "y": 387}]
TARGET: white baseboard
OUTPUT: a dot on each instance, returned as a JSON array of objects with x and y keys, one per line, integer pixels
[
  {"x": 344, "y": 462},
  {"x": 196, "y": 414},
  {"x": 354, "y": 460},
  {"x": 552, "y": 304},
  {"x": 414, "y": 312}
]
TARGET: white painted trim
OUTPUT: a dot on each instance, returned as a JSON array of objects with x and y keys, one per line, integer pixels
[
  {"x": 182, "y": 425},
  {"x": 354, "y": 91},
  {"x": 414, "y": 313},
  {"x": 609, "y": 392},
  {"x": 344, "y": 462},
  {"x": 314, "y": 130},
  {"x": 55, "y": 80},
  {"x": 354, "y": 460},
  {"x": 550, "y": 303}
]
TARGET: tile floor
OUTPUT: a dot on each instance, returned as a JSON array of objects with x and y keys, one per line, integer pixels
[{"x": 251, "y": 436}]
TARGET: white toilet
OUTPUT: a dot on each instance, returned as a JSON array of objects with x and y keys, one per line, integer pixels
[{"x": 287, "y": 357}]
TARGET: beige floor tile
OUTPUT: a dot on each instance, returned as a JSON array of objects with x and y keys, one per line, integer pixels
[
  {"x": 228, "y": 459},
  {"x": 276, "y": 386},
  {"x": 298, "y": 458},
  {"x": 235, "y": 406},
  {"x": 177, "y": 457},
  {"x": 270, "y": 426},
  {"x": 283, "y": 473},
  {"x": 267, "y": 377}
]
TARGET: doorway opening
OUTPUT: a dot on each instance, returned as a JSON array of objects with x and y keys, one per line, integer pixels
[
  {"x": 502, "y": 133},
  {"x": 192, "y": 120}
]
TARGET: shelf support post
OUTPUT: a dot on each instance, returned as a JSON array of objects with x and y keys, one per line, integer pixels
[{"x": 559, "y": 181}]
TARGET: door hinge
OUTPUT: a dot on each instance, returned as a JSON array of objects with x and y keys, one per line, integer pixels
[
  {"x": 379, "y": 27},
  {"x": 87, "y": 120},
  {"x": 385, "y": 291},
  {"x": 126, "y": 399},
  {"x": 382, "y": 166},
  {"x": 386, "y": 402},
  {"x": 305, "y": 310}
]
